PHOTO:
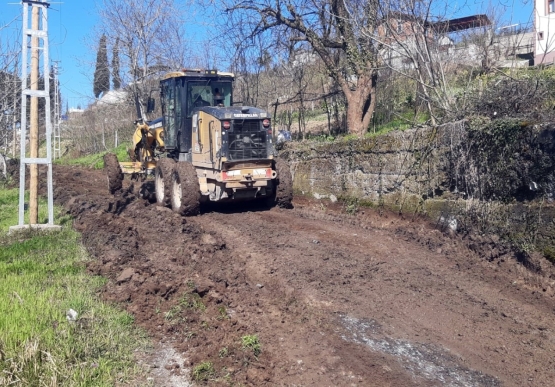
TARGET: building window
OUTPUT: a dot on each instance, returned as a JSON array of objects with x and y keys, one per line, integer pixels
[
  {"x": 540, "y": 35},
  {"x": 550, "y": 6}
]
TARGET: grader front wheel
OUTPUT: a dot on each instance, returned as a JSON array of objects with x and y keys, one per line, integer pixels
[
  {"x": 163, "y": 181},
  {"x": 185, "y": 194}
]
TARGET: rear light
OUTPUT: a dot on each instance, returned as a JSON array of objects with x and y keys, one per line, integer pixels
[
  {"x": 226, "y": 125},
  {"x": 230, "y": 174},
  {"x": 266, "y": 123}
]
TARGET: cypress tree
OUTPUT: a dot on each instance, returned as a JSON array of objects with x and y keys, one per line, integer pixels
[
  {"x": 101, "y": 82},
  {"x": 116, "y": 80}
]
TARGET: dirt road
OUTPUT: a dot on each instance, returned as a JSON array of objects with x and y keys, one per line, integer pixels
[{"x": 335, "y": 300}]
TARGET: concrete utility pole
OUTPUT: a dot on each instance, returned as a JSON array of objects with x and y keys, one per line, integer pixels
[
  {"x": 35, "y": 39},
  {"x": 34, "y": 121}
]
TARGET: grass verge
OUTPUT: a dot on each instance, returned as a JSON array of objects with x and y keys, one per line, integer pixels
[
  {"x": 42, "y": 277},
  {"x": 95, "y": 160},
  {"x": 9, "y": 205}
]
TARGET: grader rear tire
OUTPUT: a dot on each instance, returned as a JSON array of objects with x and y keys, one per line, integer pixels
[
  {"x": 163, "y": 181},
  {"x": 283, "y": 191},
  {"x": 113, "y": 173},
  {"x": 185, "y": 195}
]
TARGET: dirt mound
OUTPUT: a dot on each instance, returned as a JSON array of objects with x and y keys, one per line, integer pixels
[
  {"x": 312, "y": 296},
  {"x": 113, "y": 172}
]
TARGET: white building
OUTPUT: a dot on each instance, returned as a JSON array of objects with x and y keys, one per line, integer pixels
[
  {"x": 544, "y": 25},
  {"x": 113, "y": 97}
]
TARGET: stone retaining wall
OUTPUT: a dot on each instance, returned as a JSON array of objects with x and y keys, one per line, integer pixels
[{"x": 499, "y": 179}]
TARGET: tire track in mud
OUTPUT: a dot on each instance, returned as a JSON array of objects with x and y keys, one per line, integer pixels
[{"x": 427, "y": 291}]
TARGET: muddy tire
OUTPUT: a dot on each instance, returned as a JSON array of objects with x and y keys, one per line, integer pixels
[
  {"x": 163, "y": 181},
  {"x": 185, "y": 190},
  {"x": 113, "y": 173},
  {"x": 283, "y": 191}
]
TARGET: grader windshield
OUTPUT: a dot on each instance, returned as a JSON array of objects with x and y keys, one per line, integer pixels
[{"x": 207, "y": 94}]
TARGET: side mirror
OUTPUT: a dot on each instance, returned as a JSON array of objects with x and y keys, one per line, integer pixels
[{"x": 150, "y": 105}]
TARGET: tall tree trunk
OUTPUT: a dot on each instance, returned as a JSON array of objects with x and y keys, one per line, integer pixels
[{"x": 361, "y": 103}]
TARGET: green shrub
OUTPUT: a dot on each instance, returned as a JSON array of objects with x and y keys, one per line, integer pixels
[
  {"x": 203, "y": 371},
  {"x": 251, "y": 342}
]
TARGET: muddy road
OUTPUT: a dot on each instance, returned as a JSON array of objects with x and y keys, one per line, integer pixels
[{"x": 369, "y": 299}]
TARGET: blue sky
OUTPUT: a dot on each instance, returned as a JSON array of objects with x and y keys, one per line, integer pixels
[
  {"x": 72, "y": 22},
  {"x": 69, "y": 23},
  {"x": 514, "y": 11}
]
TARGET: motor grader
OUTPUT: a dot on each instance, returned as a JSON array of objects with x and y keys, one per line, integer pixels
[{"x": 204, "y": 148}]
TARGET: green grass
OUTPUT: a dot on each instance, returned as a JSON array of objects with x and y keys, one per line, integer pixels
[
  {"x": 405, "y": 121},
  {"x": 192, "y": 301},
  {"x": 9, "y": 206},
  {"x": 203, "y": 371},
  {"x": 42, "y": 276},
  {"x": 251, "y": 342},
  {"x": 95, "y": 160}
]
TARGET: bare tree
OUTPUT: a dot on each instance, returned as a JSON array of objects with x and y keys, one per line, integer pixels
[
  {"x": 250, "y": 64},
  {"x": 420, "y": 42},
  {"x": 482, "y": 41},
  {"x": 147, "y": 40},
  {"x": 349, "y": 55},
  {"x": 150, "y": 39},
  {"x": 285, "y": 79},
  {"x": 10, "y": 87},
  {"x": 414, "y": 44}
]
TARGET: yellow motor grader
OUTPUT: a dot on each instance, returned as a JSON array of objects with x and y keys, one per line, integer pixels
[{"x": 204, "y": 148}]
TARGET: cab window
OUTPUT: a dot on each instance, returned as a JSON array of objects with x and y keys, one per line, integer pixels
[{"x": 201, "y": 94}]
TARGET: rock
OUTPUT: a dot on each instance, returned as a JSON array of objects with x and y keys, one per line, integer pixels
[
  {"x": 215, "y": 296},
  {"x": 203, "y": 286},
  {"x": 333, "y": 198},
  {"x": 71, "y": 315},
  {"x": 207, "y": 239},
  {"x": 164, "y": 209},
  {"x": 256, "y": 376},
  {"x": 125, "y": 275}
]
